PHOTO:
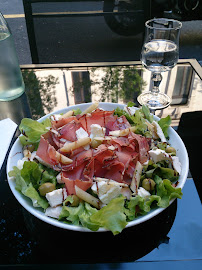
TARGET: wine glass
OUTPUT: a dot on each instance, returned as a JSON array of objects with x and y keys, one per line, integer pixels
[{"x": 160, "y": 53}]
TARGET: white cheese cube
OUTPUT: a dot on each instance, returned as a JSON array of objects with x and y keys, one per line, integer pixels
[
  {"x": 53, "y": 211},
  {"x": 130, "y": 110},
  {"x": 21, "y": 162},
  {"x": 143, "y": 192},
  {"x": 159, "y": 131},
  {"x": 106, "y": 191},
  {"x": 80, "y": 134},
  {"x": 55, "y": 117},
  {"x": 111, "y": 147},
  {"x": 158, "y": 155},
  {"x": 55, "y": 197},
  {"x": 97, "y": 131},
  {"x": 176, "y": 164},
  {"x": 100, "y": 188},
  {"x": 59, "y": 178},
  {"x": 113, "y": 192}
]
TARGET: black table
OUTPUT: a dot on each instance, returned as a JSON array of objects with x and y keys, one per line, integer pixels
[{"x": 170, "y": 240}]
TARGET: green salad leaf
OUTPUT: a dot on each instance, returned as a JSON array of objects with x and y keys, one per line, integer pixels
[
  {"x": 166, "y": 191},
  {"x": 77, "y": 111},
  {"x": 160, "y": 169},
  {"x": 164, "y": 123},
  {"x": 111, "y": 216},
  {"x": 121, "y": 112},
  {"x": 38, "y": 174},
  {"x": 26, "y": 188},
  {"x": 147, "y": 114},
  {"x": 79, "y": 215},
  {"x": 32, "y": 130}
]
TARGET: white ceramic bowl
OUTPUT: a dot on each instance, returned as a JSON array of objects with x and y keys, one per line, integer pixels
[{"x": 16, "y": 154}]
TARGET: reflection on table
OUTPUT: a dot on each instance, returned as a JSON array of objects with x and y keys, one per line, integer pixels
[{"x": 50, "y": 89}]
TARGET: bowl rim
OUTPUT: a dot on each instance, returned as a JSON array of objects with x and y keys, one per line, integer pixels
[{"x": 27, "y": 204}]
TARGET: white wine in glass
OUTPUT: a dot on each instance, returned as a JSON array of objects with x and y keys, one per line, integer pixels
[{"x": 160, "y": 53}]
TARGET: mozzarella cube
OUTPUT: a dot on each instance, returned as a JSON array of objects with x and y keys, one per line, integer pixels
[
  {"x": 106, "y": 191},
  {"x": 159, "y": 131},
  {"x": 80, "y": 134},
  {"x": 53, "y": 211},
  {"x": 55, "y": 117},
  {"x": 130, "y": 110},
  {"x": 97, "y": 131},
  {"x": 100, "y": 188},
  {"x": 55, "y": 197},
  {"x": 20, "y": 163},
  {"x": 59, "y": 178},
  {"x": 143, "y": 192},
  {"x": 159, "y": 155},
  {"x": 113, "y": 192},
  {"x": 176, "y": 164}
]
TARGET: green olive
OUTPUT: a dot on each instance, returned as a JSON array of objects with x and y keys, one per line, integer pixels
[
  {"x": 171, "y": 150},
  {"x": 30, "y": 147},
  {"x": 76, "y": 200},
  {"x": 45, "y": 188},
  {"x": 148, "y": 184}
]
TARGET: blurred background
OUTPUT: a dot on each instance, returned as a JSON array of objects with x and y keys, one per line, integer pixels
[{"x": 90, "y": 31}]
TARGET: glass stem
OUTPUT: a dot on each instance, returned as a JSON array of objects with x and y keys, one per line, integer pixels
[{"x": 156, "y": 78}]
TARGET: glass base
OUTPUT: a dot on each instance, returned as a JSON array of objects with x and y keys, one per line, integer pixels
[{"x": 155, "y": 101}]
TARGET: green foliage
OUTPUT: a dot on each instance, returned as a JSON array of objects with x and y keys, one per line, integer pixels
[
  {"x": 119, "y": 82},
  {"x": 40, "y": 93}
]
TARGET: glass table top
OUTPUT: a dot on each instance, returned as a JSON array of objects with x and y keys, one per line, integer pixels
[{"x": 173, "y": 236}]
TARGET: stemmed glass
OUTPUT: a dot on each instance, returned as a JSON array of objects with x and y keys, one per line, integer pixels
[{"x": 160, "y": 53}]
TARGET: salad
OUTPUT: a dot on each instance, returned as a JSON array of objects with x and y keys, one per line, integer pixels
[{"x": 98, "y": 168}]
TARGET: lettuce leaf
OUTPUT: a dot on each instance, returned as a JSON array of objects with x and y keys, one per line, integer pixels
[
  {"x": 38, "y": 174},
  {"x": 26, "y": 188},
  {"x": 166, "y": 191},
  {"x": 159, "y": 169},
  {"x": 79, "y": 215},
  {"x": 32, "y": 130},
  {"x": 136, "y": 206},
  {"x": 111, "y": 216},
  {"x": 121, "y": 112},
  {"x": 77, "y": 111},
  {"x": 145, "y": 110},
  {"x": 164, "y": 123}
]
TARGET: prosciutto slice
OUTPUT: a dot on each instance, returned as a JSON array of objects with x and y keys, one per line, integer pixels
[
  {"x": 142, "y": 144},
  {"x": 114, "y": 159},
  {"x": 63, "y": 121},
  {"x": 105, "y": 119},
  {"x": 46, "y": 153},
  {"x": 80, "y": 176}
]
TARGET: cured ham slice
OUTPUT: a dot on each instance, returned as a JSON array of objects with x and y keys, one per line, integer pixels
[
  {"x": 118, "y": 165},
  {"x": 46, "y": 153},
  {"x": 143, "y": 146},
  {"x": 68, "y": 131},
  {"x": 105, "y": 119},
  {"x": 81, "y": 176},
  {"x": 96, "y": 117},
  {"x": 117, "y": 123},
  {"x": 65, "y": 133},
  {"x": 63, "y": 121},
  {"x": 115, "y": 158},
  {"x": 78, "y": 159}
]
